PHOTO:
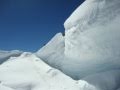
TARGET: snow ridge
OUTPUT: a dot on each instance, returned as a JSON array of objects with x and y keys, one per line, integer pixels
[
  {"x": 86, "y": 58},
  {"x": 5, "y": 55}
]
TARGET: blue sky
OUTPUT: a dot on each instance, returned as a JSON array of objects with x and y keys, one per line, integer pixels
[{"x": 29, "y": 24}]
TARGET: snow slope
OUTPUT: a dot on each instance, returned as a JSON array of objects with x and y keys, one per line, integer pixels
[
  {"x": 53, "y": 52},
  {"x": 93, "y": 37},
  {"x": 28, "y": 72},
  {"x": 89, "y": 52},
  {"x": 5, "y": 55},
  {"x": 92, "y": 40},
  {"x": 109, "y": 80},
  {"x": 94, "y": 23}
]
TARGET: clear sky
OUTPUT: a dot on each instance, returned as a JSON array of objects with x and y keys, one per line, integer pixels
[{"x": 29, "y": 24}]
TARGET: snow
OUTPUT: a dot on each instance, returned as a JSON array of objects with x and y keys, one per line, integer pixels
[
  {"x": 91, "y": 41},
  {"x": 53, "y": 52},
  {"x": 5, "y": 55},
  {"x": 92, "y": 38},
  {"x": 5, "y": 88},
  {"x": 86, "y": 58},
  {"x": 28, "y": 72},
  {"x": 109, "y": 80},
  {"x": 91, "y": 17}
]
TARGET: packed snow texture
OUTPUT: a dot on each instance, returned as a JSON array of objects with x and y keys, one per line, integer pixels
[
  {"x": 5, "y": 55},
  {"x": 92, "y": 39},
  {"x": 52, "y": 53},
  {"x": 89, "y": 52},
  {"x": 28, "y": 72},
  {"x": 84, "y": 28}
]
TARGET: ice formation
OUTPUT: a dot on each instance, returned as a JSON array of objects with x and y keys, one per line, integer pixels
[{"x": 89, "y": 52}]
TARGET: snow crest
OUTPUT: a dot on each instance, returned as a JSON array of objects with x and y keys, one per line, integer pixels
[
  {"x": 91, "y": 41},
  {"x": 89, "y": 52}
]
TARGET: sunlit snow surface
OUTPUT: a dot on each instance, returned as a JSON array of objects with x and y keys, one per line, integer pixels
[
  {"x": 4, "y": 55},
  {"x": 92, "y": 39},
  {"x": 28, "y": 72},
  {"x": 89, "y": 52}
]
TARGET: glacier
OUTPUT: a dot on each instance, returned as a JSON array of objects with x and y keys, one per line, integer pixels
[
  {"x": 87, "y": 57},
  {"x": 52, "y": 52},
  {"x": 92, "y": 35}
]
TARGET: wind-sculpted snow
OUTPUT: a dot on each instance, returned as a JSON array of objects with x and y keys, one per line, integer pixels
[
  {"x": 93, "y": 37},
  {"x": 5, "y": 55},
  {"x": 53, "y": 52},
  {"x": 92, "y": 40},
  {"x": 93, "y": 29},
  {"x": 28, "y": 72},
  {"x": 89, "y": 52},
  {"x": 109, "y": 80}
]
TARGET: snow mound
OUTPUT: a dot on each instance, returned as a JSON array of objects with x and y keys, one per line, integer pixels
[
  {"x": 5, "y": 55},
  {"x": 109, "y": 80},
  {"x": 28, "y": 72},
  {"x": 92, "y": 40},
  {"x": 93, "y": 23},
  {"x": 89, "y": 52},
  {"x": 53, "y": 52},
  {"x": 2, "y": 87}
]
